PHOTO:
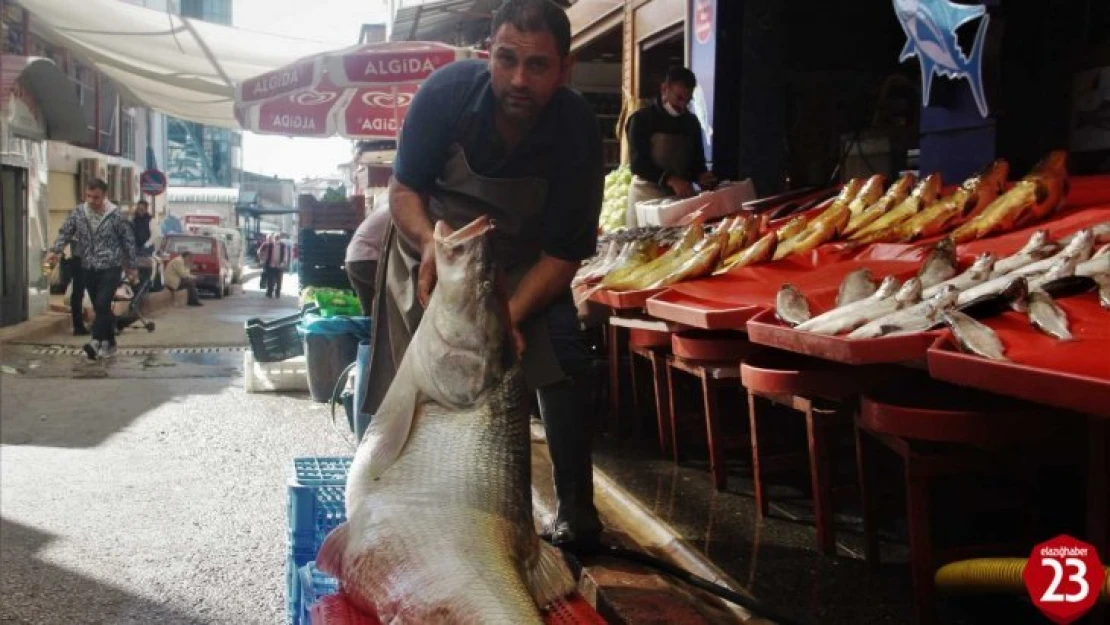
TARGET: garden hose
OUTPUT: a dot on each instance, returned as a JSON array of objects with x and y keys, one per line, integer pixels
[{"x": 991, "y": 575}]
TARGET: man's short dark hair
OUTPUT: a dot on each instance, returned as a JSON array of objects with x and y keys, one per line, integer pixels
[
  {"x": 186, "y": 254},
  {"x": 96, "y": 184},
  {"x": 535, "y": 16},
  {"x": 142, "y": 203},
  {"x": 682, "y": 76}
]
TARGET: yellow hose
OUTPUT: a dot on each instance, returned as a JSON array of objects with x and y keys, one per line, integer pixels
[{"x": 992, "y": 575}]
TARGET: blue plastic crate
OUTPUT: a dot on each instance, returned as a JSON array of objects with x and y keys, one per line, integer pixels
[
  {"x": 321, "y": 471},
  {"x": 313, "y": 512},
  {"x": 293, "y": 565},
  {"x": 314, "y": 586}
]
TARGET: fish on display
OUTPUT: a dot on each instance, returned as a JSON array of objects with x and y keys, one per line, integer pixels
[
  {"x": 940, "y": 265},
  {"x": 895, "y": 195},
  {"x": 1036, "y": 248},
  {"x": 1100, "y": 231},
  {"x": 884, "y": 229},
  {"x": 864, "y": 311},
  {"x": 974, "y": 337},
  {"x": 857, "y": 285},
  {"x": 1046, "y": 316},
  {"x": 917, "y": 318},
  {"x": 870, "y": 193},
  {"x": 439, "y": 511},
  {"x": 977, "y": 273},
  {"x": 1081, "y": 246},
  {"x": 791, "y": 306},
  {"x": 1010, "y": 296},
  {"x": 758, "y": 252},
  {"x": 829, "y": 321},
  {"x": 1033, "y": 197},
  {"x": 970, "y": 198}
]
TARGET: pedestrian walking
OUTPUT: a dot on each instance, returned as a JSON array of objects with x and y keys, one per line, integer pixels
[
  {"x": 273, "y": 255},
  {"x": 106, "y": 244}
]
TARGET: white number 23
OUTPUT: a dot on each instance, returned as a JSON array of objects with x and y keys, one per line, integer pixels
[{"x": 1051, "y": 596}]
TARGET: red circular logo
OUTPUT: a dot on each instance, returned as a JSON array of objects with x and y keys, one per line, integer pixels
[
  {"x": 703, "y": 20},
  {"x": 1064, "y": 577}
]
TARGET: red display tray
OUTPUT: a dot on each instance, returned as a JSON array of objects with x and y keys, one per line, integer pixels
[
  {"x": 714, "y": 345},
  {"x": 699, "y": 313},
  {"x": 1087, "y": 392},
  {"x": 765, "y": 329},
  {"x": 623, "y": 300}
]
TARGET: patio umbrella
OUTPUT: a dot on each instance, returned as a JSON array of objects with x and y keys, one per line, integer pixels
[{"x": 361, "y": 92}]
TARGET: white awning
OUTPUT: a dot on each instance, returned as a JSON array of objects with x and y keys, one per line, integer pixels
[{"x": 183, "y": 67}]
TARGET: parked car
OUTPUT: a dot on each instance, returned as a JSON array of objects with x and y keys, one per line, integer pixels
[
  {"x": 233, "y": 239},
  {"x": 210, "y": 263}
]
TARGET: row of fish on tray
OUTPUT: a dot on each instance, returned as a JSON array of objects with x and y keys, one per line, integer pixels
[
  {"x": 860, "y": 214},
  {"x": 940, "y": 295}
]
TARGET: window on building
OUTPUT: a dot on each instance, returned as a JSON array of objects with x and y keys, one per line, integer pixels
[
  {"x": 215, "y": 11},
  {"x": 127, "y": 134}
]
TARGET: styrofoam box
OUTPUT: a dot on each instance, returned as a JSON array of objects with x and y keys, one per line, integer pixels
[
  {"x": 286, "y": 375},
  {"x": 728, "y": 199}
]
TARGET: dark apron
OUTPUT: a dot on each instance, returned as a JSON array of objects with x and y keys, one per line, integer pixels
[
  {"x": 516, "y": 206},
  {"x": 672, "y": 153}
]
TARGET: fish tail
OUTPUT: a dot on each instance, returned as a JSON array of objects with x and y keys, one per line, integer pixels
[
  {"x": 549, "y": 579},
  {"x": 975, "y": 77}
]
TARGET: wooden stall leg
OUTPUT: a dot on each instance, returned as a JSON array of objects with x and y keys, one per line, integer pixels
[
  {"x": 662, "y": 402},
  {"x": 676, "y": 448},
  {"x": 633, "y": 387},
  {"x": 614, "y": 380},
  {"x": 921, "y": 548},
  {"x": 821, "y": 482},
  {"x": 865, "y": 465},
  {"x": 713, "y": 433},
  {"x": 762, "y": 502}
]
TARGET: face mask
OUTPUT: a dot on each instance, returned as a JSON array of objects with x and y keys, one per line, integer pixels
[{"x": 672, "y": 111}]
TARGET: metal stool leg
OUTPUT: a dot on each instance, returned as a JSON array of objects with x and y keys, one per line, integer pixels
[{"x": 761, "y": 500}]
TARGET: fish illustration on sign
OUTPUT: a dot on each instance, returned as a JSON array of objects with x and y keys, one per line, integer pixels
[{"x": 930, "y": 27}]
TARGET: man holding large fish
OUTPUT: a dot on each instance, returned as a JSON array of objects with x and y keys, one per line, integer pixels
[{"x": 504, "y": 139}]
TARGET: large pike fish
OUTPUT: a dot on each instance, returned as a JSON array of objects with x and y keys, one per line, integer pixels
[{"x": 439, "y": 511}]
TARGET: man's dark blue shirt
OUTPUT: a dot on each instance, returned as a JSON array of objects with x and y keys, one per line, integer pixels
[{"x": 456, "y": 105}]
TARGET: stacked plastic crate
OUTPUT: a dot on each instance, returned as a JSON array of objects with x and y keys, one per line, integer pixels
[
  {"x": 276, "y": 360},
  {"x": 316, "y": 506},
  {"x": 325, "y": 230}
]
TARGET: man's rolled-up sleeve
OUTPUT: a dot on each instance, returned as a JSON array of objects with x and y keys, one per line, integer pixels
[{"x": 574, "y": 196}]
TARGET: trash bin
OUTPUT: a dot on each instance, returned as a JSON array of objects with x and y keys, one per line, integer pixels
[{"x": 330, "y": 344}]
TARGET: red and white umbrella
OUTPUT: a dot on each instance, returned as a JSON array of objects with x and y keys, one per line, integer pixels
[{"x": 361, "y": 92}]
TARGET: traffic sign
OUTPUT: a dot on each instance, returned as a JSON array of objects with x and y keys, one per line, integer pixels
[
  {"x": 1064, "y": 578},
  {"x": 152, "y": 182}
]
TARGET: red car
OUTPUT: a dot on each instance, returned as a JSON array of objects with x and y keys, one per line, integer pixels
[{"x": 210, "y": 264}]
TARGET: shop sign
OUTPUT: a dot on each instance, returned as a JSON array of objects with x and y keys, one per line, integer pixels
[
  {"x": 24, "y": 117},
  {"x": 703, "y": 62},
  {"x": 930, "y": 27}
]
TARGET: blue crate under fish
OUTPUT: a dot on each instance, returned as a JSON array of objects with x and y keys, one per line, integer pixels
[
  {"x": 321, "y": 470},
  {"x": 314, "y": 585},
  {"x": 313, "y": 512}
]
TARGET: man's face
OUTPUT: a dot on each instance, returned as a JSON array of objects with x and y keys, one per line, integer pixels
[
  {"x": 677, "y": 95},
  {"x": 95, "y": 199},
  {"x": 140, "y": 209},
  {"x": 526, "y": 71}
]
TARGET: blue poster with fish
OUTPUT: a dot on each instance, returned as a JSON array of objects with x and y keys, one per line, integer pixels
[
  {"x": 930, "y": 27},
  {"x": 702, "y": 18}
]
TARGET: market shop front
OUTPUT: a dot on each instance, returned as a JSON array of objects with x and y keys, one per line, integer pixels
[{"x": 38, "y": 104}]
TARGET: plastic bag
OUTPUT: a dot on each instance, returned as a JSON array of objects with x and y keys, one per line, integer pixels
[{"x": 317, "y": 325}]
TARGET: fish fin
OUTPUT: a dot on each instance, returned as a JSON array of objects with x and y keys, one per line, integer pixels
[
  {"x": 974, "y": 78},
  {"x": 330, "y": 558},
  {"x": 549, "y": 579},
  {"x": 390, "y": 426}
]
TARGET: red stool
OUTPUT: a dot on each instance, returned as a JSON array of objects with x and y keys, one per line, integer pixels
[
  {"x": 713, "y": 377},
  {"x": 940, "y": 430},
  {"x": 656, "y": 357},
  {"x": 825, "y": 394}
]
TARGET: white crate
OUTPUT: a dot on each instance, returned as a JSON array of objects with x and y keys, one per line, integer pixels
[
  {"x": 286, "y": 375},
  {"x": 712, "y": 204}
]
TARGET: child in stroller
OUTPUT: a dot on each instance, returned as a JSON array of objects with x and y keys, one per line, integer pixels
[{"x": 149, "y": 268}]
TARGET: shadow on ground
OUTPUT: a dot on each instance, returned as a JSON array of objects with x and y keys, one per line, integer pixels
[{"x": 36, "y": 591}]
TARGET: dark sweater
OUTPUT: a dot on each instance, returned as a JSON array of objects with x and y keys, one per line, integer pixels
[{"x": 655, "y": 119}]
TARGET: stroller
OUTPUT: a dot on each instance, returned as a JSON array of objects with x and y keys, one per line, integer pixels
[{"x": 149, "y": 268}]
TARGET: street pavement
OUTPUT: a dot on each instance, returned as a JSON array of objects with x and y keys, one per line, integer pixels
[{"x": 150, "y": 488}]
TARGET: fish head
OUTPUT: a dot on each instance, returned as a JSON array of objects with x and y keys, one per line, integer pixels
[
  {"x": 1035, "y": 242},
  {"x": 469, "y": 301},
  {"x": 1055, "y": 163},
  {"x": 889, "y": 286},
  {"x": 942, "y": 300},
  {"x": 983, "y": 264},
  {"x": 910, "y": 292},
  {"x": 1015, "y": 291},
  {"x": 1083, "y": 243},
  {"x": 1063, "y": 267}
]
